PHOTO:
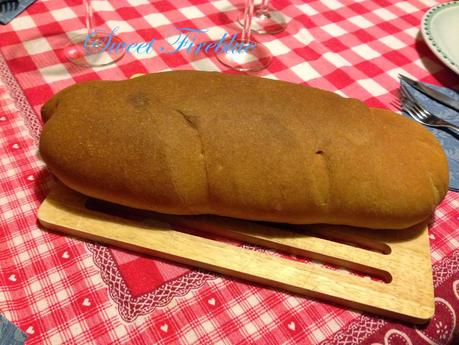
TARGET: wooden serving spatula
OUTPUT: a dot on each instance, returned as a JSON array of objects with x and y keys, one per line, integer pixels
[{"x": 399, "y": 259}]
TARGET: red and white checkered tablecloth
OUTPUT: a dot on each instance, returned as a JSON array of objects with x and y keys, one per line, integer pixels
[{"x": 61, "y": 290}]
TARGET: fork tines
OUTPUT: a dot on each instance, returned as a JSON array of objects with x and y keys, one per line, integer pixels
[
  {"x": 410, "y": 106},
  {"x": 8, "y": 5}
]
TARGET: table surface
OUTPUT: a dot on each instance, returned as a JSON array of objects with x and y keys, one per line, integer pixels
[{"x": 62, "y": 290}]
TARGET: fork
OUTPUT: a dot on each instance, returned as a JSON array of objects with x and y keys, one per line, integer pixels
[
  {"x": 422, "y": 115},
  {"x": 8, "y": 5}
]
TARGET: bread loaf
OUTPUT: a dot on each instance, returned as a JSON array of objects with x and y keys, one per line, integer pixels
[{"x": 188, "y": 142}]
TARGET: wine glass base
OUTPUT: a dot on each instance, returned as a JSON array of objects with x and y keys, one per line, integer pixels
[
  {"x": 266, "y": 22},
  {"x": 96, "y": 50},
  {"x": 253, "y": 60}
]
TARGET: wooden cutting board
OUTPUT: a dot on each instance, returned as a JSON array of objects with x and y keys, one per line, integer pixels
[{"x": 399, "y": 259}]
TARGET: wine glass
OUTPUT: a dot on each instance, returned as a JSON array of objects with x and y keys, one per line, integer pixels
[
  {"x": 266, "y": 20},
  {"x": 95, "y": 48},
  {"x": 250, "y": 56}
]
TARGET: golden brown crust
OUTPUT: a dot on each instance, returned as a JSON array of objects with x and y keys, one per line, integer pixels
[{"x": 190, "y": 142}]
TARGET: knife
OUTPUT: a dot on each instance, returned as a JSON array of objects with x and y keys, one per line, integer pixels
[{"x": 438, "y": 96}]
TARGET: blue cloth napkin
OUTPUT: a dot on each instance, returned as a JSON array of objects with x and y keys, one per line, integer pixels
[
  {"x": 449, "y": 141},
  {"x": 10, "y": 334},
  {"x": 6, "y": 15}
]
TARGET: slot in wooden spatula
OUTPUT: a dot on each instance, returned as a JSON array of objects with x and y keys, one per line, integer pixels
[{"x": 399, "y": 258}]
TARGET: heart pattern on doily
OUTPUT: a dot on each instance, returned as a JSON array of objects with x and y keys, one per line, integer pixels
[
  {"x": 440, "y": 329},
  {"x": 456, "y": 288},
  {"x": 395, "y": 337},
  {"x": 138, "y": 285}
]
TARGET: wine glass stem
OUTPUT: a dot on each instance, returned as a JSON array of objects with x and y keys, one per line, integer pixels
[
  {"x": 248, "y": 15},
  {"x": 89, "y": 16}
]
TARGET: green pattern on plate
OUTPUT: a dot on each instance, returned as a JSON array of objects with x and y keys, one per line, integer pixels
[{"x": 427, "y": 25}]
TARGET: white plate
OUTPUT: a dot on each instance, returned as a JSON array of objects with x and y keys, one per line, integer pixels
[{"x": 440, "y": 29}]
